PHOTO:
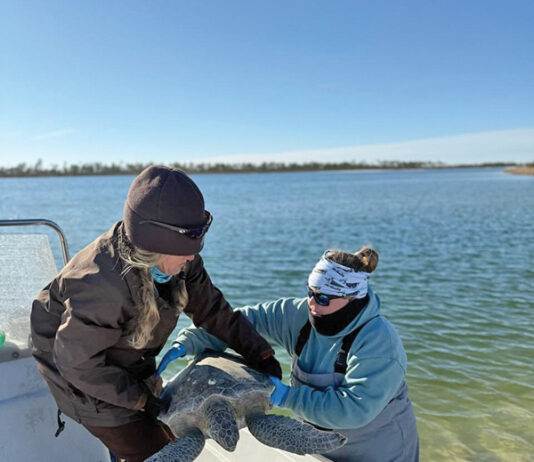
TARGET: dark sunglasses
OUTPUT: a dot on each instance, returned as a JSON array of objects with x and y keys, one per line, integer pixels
[
  {"x": 321, "y": 299},
  {"x": 193, "y": 232}
]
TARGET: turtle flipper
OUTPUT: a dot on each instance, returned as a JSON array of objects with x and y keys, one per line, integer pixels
[
  {"x": 222, "y": 426},
  {"x": 183, "y": 449},
  {"x": 292, "y": 435}
]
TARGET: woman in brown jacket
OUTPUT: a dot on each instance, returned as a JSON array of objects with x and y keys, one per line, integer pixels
[{"x": 98, "y": 326}]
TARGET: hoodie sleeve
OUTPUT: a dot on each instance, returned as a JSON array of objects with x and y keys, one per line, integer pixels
[
  {"x": 368, "y": 386},
  {"x": 208, "y": 309},
  {"x": 275, "y": 321}
]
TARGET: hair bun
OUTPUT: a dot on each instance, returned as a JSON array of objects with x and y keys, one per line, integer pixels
[
  {"x": 368, "y": 259},
  {"x": 365, "y": 259}
]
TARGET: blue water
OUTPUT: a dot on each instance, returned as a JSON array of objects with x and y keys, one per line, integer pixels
[{"x": 455, "y": 275}]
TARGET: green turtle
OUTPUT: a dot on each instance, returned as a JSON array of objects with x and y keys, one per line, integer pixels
[{"x": 215, "y": 396}]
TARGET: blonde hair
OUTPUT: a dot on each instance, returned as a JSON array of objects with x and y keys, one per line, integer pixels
[
  {"x": 148, "y": 316},
  {"x": 365, "y": 259}
]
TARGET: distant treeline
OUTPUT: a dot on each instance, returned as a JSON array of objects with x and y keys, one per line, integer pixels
[{"x": 97, "y": 168}]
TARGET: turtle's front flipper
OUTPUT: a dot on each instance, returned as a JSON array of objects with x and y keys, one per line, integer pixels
[
  {"x": 222, "y": 426},
  {"x": 292, "y": 435},
  {"x": 184, "y": 449}
]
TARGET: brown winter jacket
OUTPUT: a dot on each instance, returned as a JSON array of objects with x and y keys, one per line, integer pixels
[{"x": 82, "y": 319}]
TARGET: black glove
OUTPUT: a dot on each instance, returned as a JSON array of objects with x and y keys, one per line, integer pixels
[
  {"x": 154, "y": 406},
  {"x": 269, "y": 366}
]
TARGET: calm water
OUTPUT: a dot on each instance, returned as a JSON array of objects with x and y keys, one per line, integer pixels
[{"x": 455, "y": 275}]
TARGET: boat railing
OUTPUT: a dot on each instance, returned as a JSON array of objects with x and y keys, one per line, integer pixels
[
  {"x": 27, "y": 264},
  {"x": 44, "y": 222}
]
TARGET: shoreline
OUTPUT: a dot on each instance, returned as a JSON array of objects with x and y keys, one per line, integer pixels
[
  {"x": 521, "y": 170},
  {"x": 114, "y": 170}
]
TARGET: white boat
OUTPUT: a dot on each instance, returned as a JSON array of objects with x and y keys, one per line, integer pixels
[{"x": 29, "y": 415}]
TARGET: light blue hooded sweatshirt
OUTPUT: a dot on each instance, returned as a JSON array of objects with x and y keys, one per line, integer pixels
[{"x": 376, "y": 363}]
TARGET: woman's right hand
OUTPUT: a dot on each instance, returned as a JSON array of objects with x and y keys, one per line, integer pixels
[{"x": 154, "y": 406}]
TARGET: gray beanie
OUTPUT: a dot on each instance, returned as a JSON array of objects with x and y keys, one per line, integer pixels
[{"x": 166, "y": 196}]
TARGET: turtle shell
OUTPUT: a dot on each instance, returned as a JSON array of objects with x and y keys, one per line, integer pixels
[{"x": 214, "y": 376}]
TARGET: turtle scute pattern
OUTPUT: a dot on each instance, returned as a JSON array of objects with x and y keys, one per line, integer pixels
[
  {"x": 208, "y": 379},
  {"x": 222, "y": 426},
  {"x": 187, "y": 448},
  {"x": 292, "y": 435}
]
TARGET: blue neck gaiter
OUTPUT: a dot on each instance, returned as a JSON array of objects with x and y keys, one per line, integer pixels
[{"x": 159, "y": 276}]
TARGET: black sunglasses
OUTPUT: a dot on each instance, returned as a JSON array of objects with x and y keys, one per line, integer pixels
[
  {"x": 193, "y": 232},
  {"x": 321, "y": 299}
]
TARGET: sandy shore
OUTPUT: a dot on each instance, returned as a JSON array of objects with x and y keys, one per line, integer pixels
[{"x": 524, "y": 170}]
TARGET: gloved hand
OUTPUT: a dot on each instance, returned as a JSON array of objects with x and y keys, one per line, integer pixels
[
  {"x": 269, "y": 366},
  {"x": 154, "y": 406},
  {"x": 175, "y": 352},
  {"x": 279, "y": 393}
]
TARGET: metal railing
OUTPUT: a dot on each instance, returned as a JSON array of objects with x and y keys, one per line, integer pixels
[{"x": 45, "y": 222}]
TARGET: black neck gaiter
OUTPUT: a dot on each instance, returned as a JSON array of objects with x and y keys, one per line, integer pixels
[{"x": 331, "y": 324}]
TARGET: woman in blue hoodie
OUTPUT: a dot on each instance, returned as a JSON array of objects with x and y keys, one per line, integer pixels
[{"x": 349, "y": 365}]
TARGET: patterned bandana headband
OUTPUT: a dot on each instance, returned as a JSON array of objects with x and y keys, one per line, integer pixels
[{"x": 331, "y": 278}]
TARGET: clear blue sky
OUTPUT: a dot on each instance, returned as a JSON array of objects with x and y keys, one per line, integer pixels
[{"x": 184, "y": 81}]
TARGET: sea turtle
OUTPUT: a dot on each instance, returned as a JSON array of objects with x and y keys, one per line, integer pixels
[{"x": 215, "y": 396}]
